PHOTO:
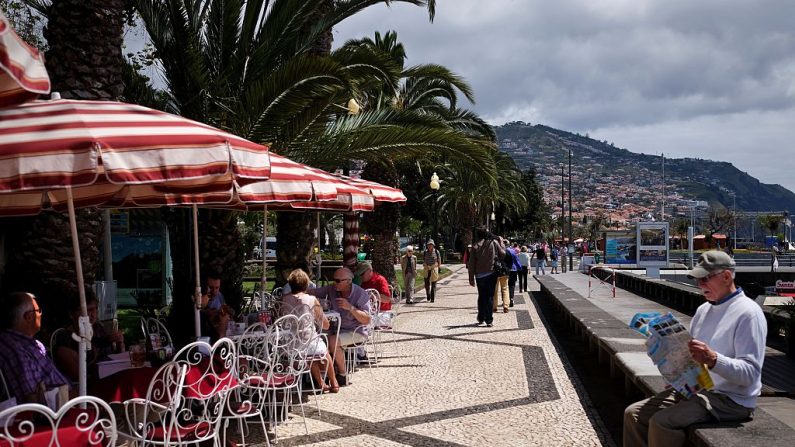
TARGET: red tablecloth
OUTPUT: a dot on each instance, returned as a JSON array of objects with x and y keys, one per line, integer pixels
[
  {"x": 126, "y": 384},
  {"x": 132, "y": 383},
  {"x": 67, "y": 435}
]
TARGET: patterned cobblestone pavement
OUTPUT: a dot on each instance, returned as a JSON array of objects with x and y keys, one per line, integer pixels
[{"x": 453, "y": 384}]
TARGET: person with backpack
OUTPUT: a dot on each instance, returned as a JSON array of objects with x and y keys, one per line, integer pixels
[
  {"x": 501, "y": 289},
  {"x": 432, "y": 260},
  {"x": 483, "y": 261}
]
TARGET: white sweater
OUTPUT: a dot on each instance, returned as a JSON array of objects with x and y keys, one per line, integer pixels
[{"x": 736, "y": 330}]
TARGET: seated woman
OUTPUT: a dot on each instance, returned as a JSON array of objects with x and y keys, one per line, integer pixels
[
  {"x": 298, "y": 303},
  {"x": 65, "y": 347}
]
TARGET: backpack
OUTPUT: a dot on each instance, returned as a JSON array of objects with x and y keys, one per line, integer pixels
[
  {"x": 499, "y": 266},
  {"x": 554, "y": 255}
]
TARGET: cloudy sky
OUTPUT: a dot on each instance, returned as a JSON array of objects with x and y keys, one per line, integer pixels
[{"x": 712, "y": 79}]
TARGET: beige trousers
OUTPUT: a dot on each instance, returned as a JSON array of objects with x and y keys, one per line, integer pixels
[
  {"x": 661, "y": 420},
  {"x": 501, "y": 289}
]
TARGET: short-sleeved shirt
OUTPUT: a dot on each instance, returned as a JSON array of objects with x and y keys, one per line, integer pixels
[
  {"x": 379, "y": 283},
  {"x": 25, "y": 365},
  {"x": 358, "y": 299},
  {"x": 216, "y": 302}
]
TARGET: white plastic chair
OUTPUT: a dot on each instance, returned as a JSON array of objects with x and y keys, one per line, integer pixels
[{"x": 36, "y": 423}]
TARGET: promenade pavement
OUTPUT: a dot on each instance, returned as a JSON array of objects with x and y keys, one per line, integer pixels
[{"x": 454, "y": 384}]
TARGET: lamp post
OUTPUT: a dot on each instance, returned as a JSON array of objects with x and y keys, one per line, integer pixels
[
  {"x": 734, "y": 217},
  {"x": 562, "y": 205},
  {"x": 571, "y": 239},
  {"x": 435, "y": 188},
  {"x": 493, "y": 219}
]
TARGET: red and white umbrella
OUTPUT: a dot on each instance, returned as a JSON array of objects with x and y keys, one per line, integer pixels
[
  {"x": 379, "y": 192},
  {"x": 62, "y": 152},
  {"x": 22, "y": 73}
]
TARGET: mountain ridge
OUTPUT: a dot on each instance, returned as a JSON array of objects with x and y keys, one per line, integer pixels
[{"x": 544, "y": 148}]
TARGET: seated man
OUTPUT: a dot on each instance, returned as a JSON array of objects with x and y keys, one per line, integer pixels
[
  {"x": 353, "y": 305},
  {"x": 65, "y": 347},
  {"x": 729, "y": 332},
  {"x": 28, "y": 371},
  {"x": 373, "y": 280}
]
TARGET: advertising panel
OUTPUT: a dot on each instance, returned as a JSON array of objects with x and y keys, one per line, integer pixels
[
  {"x": 652, "y": 240},
  {"x": 620, "y": 247}
]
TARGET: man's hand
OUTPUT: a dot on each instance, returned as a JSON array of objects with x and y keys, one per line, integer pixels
[
  {"x": 702, "y": 353},
  {"x": 344, "y": 304},
  {"x": 472, "y": 282}
]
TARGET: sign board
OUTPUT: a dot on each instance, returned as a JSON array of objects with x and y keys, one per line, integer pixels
[
  {"x": 119, "y": 222},
  {"x": 652, "y": 242},
  {"x": 620, "y": 247}
]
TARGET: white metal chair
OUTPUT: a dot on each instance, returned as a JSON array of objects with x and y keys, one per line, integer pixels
[
  {"x": 248, "y": 399},
  {"x": 54, "y": 338},
  {"x": 156, "y": 333},
  {"x": 186, "y": 398},
  {"x": 386, "y": 320},
  {"x": 84, "y": 417},
  {"x": 351, "y": 349}
]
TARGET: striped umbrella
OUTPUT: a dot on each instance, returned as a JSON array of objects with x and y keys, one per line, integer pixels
[
  {"x": 62, "y": 152},
  {"x": 22, "y": 73}
]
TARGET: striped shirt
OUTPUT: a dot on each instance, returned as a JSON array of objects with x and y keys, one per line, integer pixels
[{"x": 25, "y": 365}]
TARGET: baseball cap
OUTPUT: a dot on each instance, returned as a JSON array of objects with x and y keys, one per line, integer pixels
[
  {"x": 363, "y": 267},
  {"x": 710, "y": 262}
]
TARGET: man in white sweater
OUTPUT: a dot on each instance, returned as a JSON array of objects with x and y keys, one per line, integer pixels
[{"x": 729, "y": 332}]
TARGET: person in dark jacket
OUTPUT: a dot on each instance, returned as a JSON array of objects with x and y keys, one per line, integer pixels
[{"x": 482, "y": 257}]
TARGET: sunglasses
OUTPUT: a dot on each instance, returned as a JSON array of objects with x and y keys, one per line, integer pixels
[{"x": 337, "y": 280}]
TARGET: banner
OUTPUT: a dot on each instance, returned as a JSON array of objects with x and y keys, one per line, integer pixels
[
  {"x": 652, "y": 240},
  {"x": 620, "y": 247}
]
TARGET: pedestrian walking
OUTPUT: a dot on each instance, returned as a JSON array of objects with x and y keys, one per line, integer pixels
[
  {"x": 524, "y": 261},
  {"x": 483, "y": 258},
  {"x": 554, "y": 257},
  {"x": 432, "y": 260},
  {"x": 501, "y": 288},
  {"x": 541, "y": 260},
  {"x": 562, "y": 254},
  {"x": 408, "y": 264},
  {"x": 513, "y": 274}
]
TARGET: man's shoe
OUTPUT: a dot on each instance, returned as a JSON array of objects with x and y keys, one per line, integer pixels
[
  {"x": 342, "y": 379},
  {"x": 505, "y": 310},
  {"x": 511, "y": 305},
  {"x": 409, "y": 302},
  {"x": 489, "y": 325}
]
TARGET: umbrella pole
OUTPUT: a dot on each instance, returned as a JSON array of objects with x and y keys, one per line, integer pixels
[
  {"x": 197, "y": 293},
  {"x": 318, "y": 256},
  {"x": 264, "y": 278},
  {"x": 84, "y": 324}
]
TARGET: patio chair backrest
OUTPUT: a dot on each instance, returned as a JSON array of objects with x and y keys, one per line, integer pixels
[
  {"x": 253, "y": 351},
  {"x": 155, "y": 329},
  {"x": 287, "y": 345},
  {"x": 95, "y": 423}
]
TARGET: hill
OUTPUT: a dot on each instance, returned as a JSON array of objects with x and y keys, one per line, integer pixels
[{"x": 599, "y": 166}]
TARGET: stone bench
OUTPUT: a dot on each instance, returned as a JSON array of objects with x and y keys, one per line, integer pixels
[{"x": 625, "y": 350}]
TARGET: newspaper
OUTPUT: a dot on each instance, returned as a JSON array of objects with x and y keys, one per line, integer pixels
[{"x": 666, "y": 345}]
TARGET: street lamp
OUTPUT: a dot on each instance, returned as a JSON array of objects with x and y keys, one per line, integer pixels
[
  {"x": 562, "y": 204},
  {"x": 571, "y": 239},
  {"x": 734, "y": 217},
  {"x": 435, "y": 188}
]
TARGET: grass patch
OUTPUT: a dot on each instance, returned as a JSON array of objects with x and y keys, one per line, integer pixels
[{"x": 419, "y": 281}]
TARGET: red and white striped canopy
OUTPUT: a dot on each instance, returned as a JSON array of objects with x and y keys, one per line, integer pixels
[
  {"x": 117, "y": 153},
  {"x": 22, "y": 73},
  {"x": 379, "y": 192}
]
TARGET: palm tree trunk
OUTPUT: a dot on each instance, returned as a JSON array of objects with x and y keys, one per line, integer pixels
[
  {"x": 294, "y": 241},
  {"x": 382, "y": 223},
  {"x": 84, "y": 61}
]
